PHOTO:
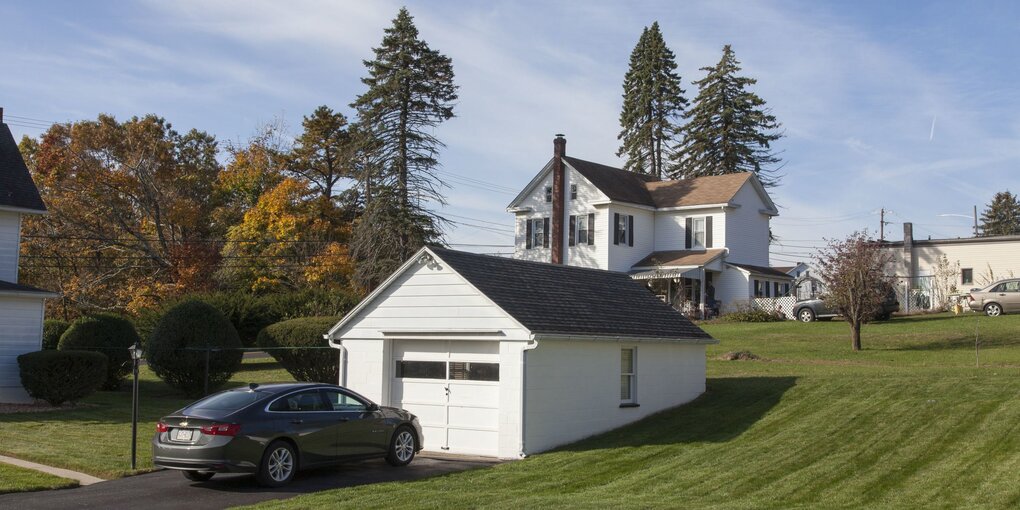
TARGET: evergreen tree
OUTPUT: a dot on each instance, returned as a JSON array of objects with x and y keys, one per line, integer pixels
[
  {"x": 321, "y": 155},
  {"x": 652, "y": 103},
  {"x": 1002, "y": 216},
  {"x": 729, "y": 128},
  {"x": 410, "y": 92}
]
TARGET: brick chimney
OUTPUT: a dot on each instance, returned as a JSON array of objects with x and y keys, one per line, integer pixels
[
  {"x": 908, "y": 253},
  {"x": 558, "y": 198}
]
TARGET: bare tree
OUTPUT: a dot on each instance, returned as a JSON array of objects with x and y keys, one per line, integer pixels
[{"x": 853, "y": 270}]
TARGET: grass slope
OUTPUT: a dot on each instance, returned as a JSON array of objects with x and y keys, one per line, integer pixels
[
  {"x": 18, "y": 479},
  {"x": 908, "y": 423}
]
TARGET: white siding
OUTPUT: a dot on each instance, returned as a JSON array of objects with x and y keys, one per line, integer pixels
[
  {"x": 671, "y": 227},
  {"x": 573, "y": 388},
  {"x": 623, "y": 256},
  {"x": 747, "y": 229},
  {"x": 584, "y": 256},
  {"x": 10, "y": 237},
  {"x": 989, "y": 260},
  {"x": 730, "y": 286},
  {"x": 20, "y": 332}
]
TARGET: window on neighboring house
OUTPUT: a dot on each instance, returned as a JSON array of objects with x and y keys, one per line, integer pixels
[
  {"x": 548, "y": 193},
  {"x": 623, "y": 229},
  {"x": 699, "y": 232},
  {"x": 582, "y": 230},
  {"x": 628, "y": 375},
  {"x": 786, "y": 289},
  {"x": 966, "y": 276},
  {"x": 775, "y": 289},
  {"x": 573, "y": 192},
  {"x": 536, "y": 234},
  {"x": 759, "y": 290}
]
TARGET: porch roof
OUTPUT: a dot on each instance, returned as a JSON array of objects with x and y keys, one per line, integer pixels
[{"x": 678, "y": 259}]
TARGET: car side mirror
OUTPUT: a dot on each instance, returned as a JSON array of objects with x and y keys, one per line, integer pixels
[{"x": 373, "y": 407}]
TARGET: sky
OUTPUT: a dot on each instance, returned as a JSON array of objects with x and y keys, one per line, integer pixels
[{"x": 905, "y": 106}]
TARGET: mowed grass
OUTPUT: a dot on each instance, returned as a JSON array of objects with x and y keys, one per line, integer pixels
[
  {"x": 908, "y": 423},
  {"x": 95, "y": 437},
  {"x": 18, "y": 479}
]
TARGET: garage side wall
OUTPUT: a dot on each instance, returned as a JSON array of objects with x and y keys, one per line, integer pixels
[
  {"x": 20, "y": 332},
  {"x": 572, "y": 388}
]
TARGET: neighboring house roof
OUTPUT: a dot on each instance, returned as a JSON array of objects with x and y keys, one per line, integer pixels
[
  {"x": 17, "y": 288},
  {"x": 770, "y": 272},
  {"x": 959, "y": 240},
  {"x": 784, "y": 269},
  {"x": 617, "y": 184},
  {"x": 671, "y": 258},
  {"x": 567, "y": 300},
  {"x": 17, "y": 191},
  {"x": 714, "y": 189}
]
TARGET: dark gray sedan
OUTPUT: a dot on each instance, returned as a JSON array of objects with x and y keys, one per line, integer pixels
[{"x": 276, "y": 429}]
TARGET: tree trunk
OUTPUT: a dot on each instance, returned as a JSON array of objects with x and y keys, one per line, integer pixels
[{"x": 855, "y": 335}]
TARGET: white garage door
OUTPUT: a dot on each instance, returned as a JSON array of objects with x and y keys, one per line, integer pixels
[{"x": 453, "y": 388}]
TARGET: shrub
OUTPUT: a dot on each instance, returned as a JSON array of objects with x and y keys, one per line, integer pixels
[
  {"x": 62, "y": 376},
  {"x": 746, "y": 312},
  {"x": 182, "y": 340},
  {"x": 52, "y": 331},
  {"x": 313, "y": 365},
  {"x": 106, "y": 333}
]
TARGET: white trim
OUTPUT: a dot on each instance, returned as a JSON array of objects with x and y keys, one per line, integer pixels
[
  {"x": 26, "y": 293},
  {"x": 23, "y": 210},
  {"x": 727, "y": 205},
  {"x": 623, "y": 339}
]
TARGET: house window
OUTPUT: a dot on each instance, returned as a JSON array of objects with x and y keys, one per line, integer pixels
[
  {"x": 628, "y": 374},
  {"x": 623, "y": 229},
  {"x": 421, "y": 369},
  {"x": 573, "y": 192},
  {"x": 582, "y": 229},
  {"x": 786, "y": 289},
  {"x": 775, "y": 289},
  {"x": 536, "y": 234},
  {"x": 759, "y": 289},
  {"x": 548, "y": 193},
  {"x": 698, "y": 225},
  {"x": 966, "y": 276}
]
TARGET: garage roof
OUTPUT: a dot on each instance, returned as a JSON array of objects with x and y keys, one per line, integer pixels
[
  {"x": 16, "y": 187},
  {"x": 565, "y": 300}
]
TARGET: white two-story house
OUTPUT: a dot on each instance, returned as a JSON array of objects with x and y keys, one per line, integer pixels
[
  {"x": 21, "y": 306},
  {"x": 700, "y": 243}
]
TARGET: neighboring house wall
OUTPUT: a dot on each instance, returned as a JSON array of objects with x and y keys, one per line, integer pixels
[
  {"x": 732, "y": 285},
  {"x": 988, "y": 261},
  {"x": 20, "y": 330},
  {"x": 623, "y": 256},
  {"x": 587, "y": 194},
  {"x": 671, "y": 228},
  {"x": 747, "y": 229},
  {"x": 572, "y": 388},
  {"x": 10, "y": 237}
]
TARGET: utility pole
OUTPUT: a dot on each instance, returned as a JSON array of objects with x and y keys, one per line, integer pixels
[
  {"x": 881, "y": 225},
  {"x": 975, "y": 222}
]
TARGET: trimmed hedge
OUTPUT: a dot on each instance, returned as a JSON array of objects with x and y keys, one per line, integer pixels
[
  {"x": 106, "y": 333},
  {"x": 62, "y": 376},
  {"x": 177, "y": 349},
  {"x": 311, "y": 365},
  {"x": 52, "y": 331}
]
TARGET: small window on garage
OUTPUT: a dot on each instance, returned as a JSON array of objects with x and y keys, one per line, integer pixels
[
  {"x": 628, "y": 373},
  {"x": 472, "y": 371},
  {"x": 966, "y": 276},
  {"x": 421, "y": 369}
]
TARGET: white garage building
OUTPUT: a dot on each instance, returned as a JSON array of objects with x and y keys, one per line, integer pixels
[{"x": 501, "y": 357}]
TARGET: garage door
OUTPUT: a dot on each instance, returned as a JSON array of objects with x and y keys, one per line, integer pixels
[{"x": 453, "y": 388}]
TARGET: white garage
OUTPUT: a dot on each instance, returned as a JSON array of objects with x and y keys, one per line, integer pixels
[{"x": 504, "y": 358}]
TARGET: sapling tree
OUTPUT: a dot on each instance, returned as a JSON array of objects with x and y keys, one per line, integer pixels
[{"x": 853, "y": 270}]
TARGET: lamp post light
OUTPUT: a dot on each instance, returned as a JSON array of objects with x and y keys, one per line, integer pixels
[{"x": 136, "y": 356}]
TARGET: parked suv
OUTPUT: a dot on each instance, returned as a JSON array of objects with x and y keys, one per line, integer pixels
[
  {"x": 808, "y": 310},
  {"x": 996, "y": 299}
]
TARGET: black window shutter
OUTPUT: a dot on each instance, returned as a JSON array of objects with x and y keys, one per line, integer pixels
[
  {"x": 630, "y": 230},
  {"x": 571, "y": 241},
  {"x": 687, "y": 233},
  {"x": 616, "y": 228},
  {"x": 527, "y": 234},
  {"x": 545, "y": 232},
  {"x": 708, "y": 231},
  {"x": 591, "y": 228}
]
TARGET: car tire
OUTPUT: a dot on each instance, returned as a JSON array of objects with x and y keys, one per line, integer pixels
[
  {"x": 279, "y": 465},
  {"x": 993, "y": 309},
  {"x": 805, "y": 315},
  {"x": 198, "y": 476},
  {"x": 402, "y": 447}
]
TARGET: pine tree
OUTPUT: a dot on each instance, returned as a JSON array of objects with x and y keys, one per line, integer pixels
[
  {"x": 652, "y": 104},
  {"x": 410, "y": 92},
  {"x": 729, "y": 128},
  {"x": 1002, "y": 216},
  {"x": 321, "y": 155}
]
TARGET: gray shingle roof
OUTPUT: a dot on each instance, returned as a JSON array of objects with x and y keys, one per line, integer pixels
[
  {"x": 16, "y": 186},
  {"x": 617, "y": 184},
  {"x": 556, "y": 299},
  {"x": 17, "y": 288},
  {"x": 762, "y": 270}
]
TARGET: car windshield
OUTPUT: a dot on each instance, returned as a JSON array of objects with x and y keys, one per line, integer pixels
[{"x": 229, "y": 400}]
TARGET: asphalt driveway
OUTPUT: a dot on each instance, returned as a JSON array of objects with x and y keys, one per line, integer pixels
[{"x": 170, "y": 490}]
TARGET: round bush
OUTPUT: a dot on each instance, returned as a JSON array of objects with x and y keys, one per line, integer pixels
[
  {"x": 62, "y": 376},
  {"x": 53, "y": 329},
  {"x": 183, "y": 338},
  {"x": 106, "y": 333},
  {"x": 304, "y": 363}
]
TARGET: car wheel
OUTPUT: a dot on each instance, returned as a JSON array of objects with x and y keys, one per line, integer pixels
[
  {"x": 402, "y": 447},
  {"x": 993, "y": 310},
  {"x": 279, "y": 464},
  {"x": 806, "y": 315},
  {"x": 198, "y": 476}
]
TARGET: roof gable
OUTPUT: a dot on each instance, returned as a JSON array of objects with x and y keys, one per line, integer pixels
[{"x": 17, "y": 190}]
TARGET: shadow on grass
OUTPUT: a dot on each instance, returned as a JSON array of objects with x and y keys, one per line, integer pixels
[
  {"x": 261, "y": 365},
  {"x": 961, "y": 343},
  {"x": 729, "y": 406}
]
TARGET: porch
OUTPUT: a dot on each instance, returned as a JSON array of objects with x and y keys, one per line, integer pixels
[{"x": 684, "y": 279}]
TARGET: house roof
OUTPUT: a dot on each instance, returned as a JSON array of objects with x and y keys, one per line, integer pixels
[
  {"x": 671, "y": 258},
  {"x": 16, "y": 187},
  {"x": 565, "y": 300},
  {"x": 762, "y": 270},
  {"x": 714, "y": 189},
  {"x": 959, "y": 240},
  {"x": 17, "y": 288},
  {"x": 785, "y": 269},
  {"x": 615, "y": 183}
]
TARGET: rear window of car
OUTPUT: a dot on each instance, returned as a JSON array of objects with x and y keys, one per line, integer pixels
[{"x": 230, "y": 400}]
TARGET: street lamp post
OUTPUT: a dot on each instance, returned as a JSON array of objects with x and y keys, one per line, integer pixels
[{"x": 136, "y": 356}]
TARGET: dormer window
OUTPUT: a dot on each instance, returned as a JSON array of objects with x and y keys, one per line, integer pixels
[{"x": 548, "y": 193}]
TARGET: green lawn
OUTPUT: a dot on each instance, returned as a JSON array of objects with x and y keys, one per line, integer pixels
[
  {"x": 17, "y": 479},
  {"x": 908, "y": 423},
  {"x": 95, "y": 438}
]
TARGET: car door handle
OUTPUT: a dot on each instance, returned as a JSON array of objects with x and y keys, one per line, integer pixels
[
  {"x": 342, "y": 420},
  {"x": 297, "y": 422}
]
